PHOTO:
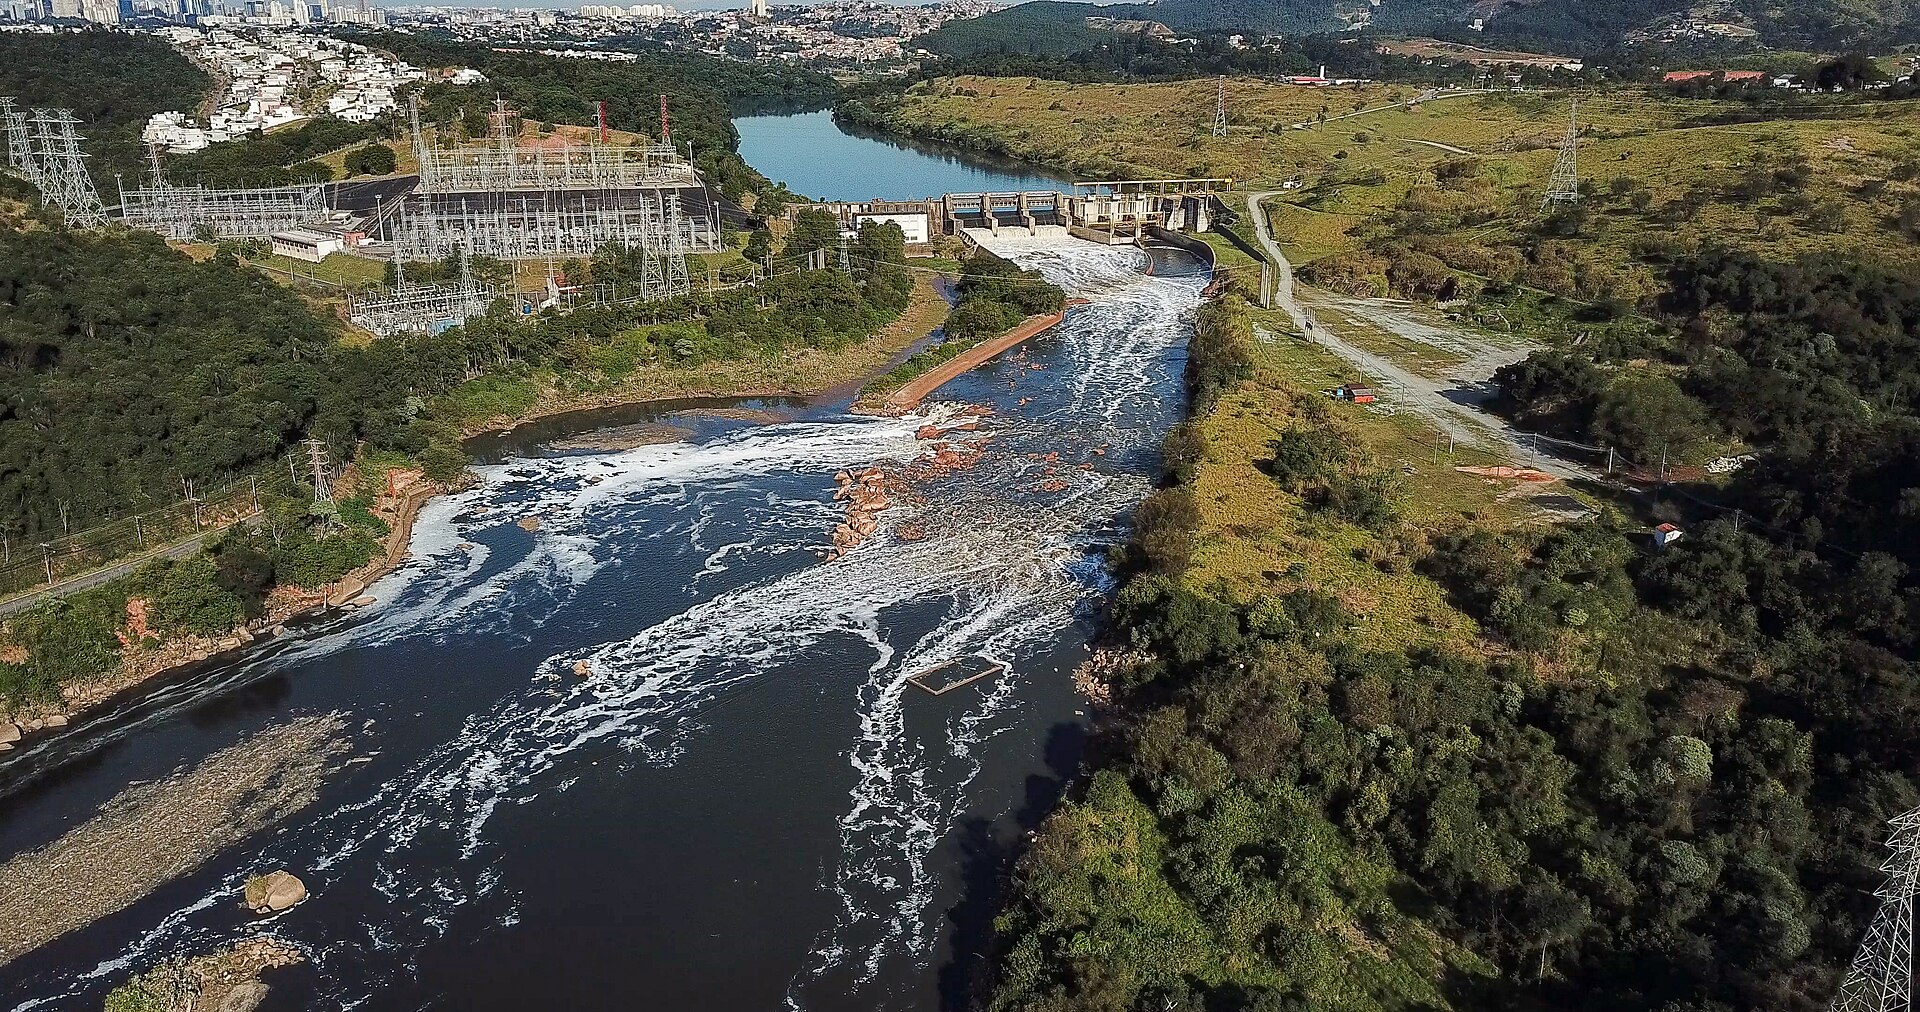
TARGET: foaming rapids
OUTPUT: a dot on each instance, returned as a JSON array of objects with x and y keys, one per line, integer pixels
[
  {"x": 1019, "y": 555},
  {"x": 1004, "y": 558}
]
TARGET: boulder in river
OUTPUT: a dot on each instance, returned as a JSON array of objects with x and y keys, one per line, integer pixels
[
  {"x": 274, "y": 892},
  {"x": 9, "y": 733},
  {"x": 529, "y": 523}
]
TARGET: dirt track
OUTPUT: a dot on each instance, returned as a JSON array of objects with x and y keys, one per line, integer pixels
[{"x": 1453, "y": 402}]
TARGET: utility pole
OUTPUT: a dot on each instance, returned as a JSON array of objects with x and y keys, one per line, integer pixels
[
  {"x": 1220, "y": 111},
  {"x": 1564, "y": 187},
  {"x": 322, "y": 487},
  {"x": 1881, "y": 978}
]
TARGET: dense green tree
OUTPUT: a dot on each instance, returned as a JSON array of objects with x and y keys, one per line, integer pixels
[
  {"x": 112, "y": 80},
  {"x": 372, "y": 160}
]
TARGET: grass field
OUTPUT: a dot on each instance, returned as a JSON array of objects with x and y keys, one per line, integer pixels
[
  {"x": 1851, "y": 165},
  {"x": 1256, "y": 539}
]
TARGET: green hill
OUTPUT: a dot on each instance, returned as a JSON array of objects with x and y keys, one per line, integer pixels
[
  {"x": 112, "y": 80},
  {"x": 1048, "y": 27}
]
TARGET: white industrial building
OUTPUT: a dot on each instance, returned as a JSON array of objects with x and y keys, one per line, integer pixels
[{"x": 306, "y": 244}]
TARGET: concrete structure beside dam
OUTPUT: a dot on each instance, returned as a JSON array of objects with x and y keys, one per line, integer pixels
[{"x": 1111, "y": 211}]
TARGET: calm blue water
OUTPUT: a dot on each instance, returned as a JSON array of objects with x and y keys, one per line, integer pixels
[
  {"x": 816, "y": 158},
  {"x": 746, "y": 807}
]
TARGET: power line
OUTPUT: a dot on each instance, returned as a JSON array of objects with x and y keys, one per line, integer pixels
[
  {"x": 1881, "y": 977},
  {"x": 60, "y": 168}
]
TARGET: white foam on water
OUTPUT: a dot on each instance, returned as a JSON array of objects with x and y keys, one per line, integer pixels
[
  {"x": 1015, "y": 571},
  {"x": 1004, "y": 568}
]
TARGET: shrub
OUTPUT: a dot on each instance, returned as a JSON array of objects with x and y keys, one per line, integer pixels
[
  {"x": 1163, "y": 527},
  {"x": 188, "y": 596},
  {"x": 1306, "y": 456}
]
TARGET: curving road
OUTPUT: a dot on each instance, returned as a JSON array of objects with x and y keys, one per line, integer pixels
[{"x": 1453, "y": 403}]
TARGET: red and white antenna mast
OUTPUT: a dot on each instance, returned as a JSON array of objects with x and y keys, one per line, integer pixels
[
  {"x": 666, "y": 128},
  {"x": 601, "y": 112}
]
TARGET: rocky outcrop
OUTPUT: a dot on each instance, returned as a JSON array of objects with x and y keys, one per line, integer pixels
[
  {"x": 274, "y": 892},
  {"x": 866, "y": 494},
  {"x": 156, "y": 832},
  {"x": 225, "y": 981}
]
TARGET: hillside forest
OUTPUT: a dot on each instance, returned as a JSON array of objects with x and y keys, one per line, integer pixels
[
  {"x": 1654, "y": 780},
  {"x": 132, "y": 372},
  {"x": 113, "y": 81}
]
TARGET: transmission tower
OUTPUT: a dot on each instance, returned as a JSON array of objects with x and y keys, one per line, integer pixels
[
  {"x": 13, "y": 120},
  {"x": 1881, "y": 978},
  {"x": 156, "y": 174},
  {"x": 1220, "y": 111},
  {"x": 1564, "y": 187},
  {"x": 675, "y": 222},
  {"x": 322, "y": 486},
  {"x": 63, "y": 177}
]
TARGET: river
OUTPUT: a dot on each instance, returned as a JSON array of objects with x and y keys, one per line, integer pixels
[
  {"x": 819, "y": 158},
  {"x": 745, "y": 806}
]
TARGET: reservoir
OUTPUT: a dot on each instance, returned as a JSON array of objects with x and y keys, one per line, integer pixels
[
  {"x": 824, "y": 160},
  {"x": 617, "y": 737}
]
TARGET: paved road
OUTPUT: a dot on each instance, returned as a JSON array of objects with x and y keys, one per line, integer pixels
[
  {"x": 1453, "y": 403},
  {"x": 114, "y": 571}
]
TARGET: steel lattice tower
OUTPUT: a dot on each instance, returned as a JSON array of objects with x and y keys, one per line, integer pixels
[
  {"x": 19, "y": 155},
  {"x": 1881, "y": 978},
  {"x": 63, "y": 177},
  {"x": 1564, "y": 187},
  {"x": 322, "y": 485},
  {"x": 675, "y": 222},
  {"x": 1220, "y": 111}
]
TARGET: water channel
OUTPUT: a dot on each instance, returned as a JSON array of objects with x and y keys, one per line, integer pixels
[{"x": 745, "y": 806}]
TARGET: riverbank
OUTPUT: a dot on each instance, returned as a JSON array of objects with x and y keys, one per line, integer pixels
[
  {"x": 806, "y": 372},
  {"x": 882, "y": 117},
  {"x": 144, "y": 660},
  {"x": 812, "y": 373}
]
